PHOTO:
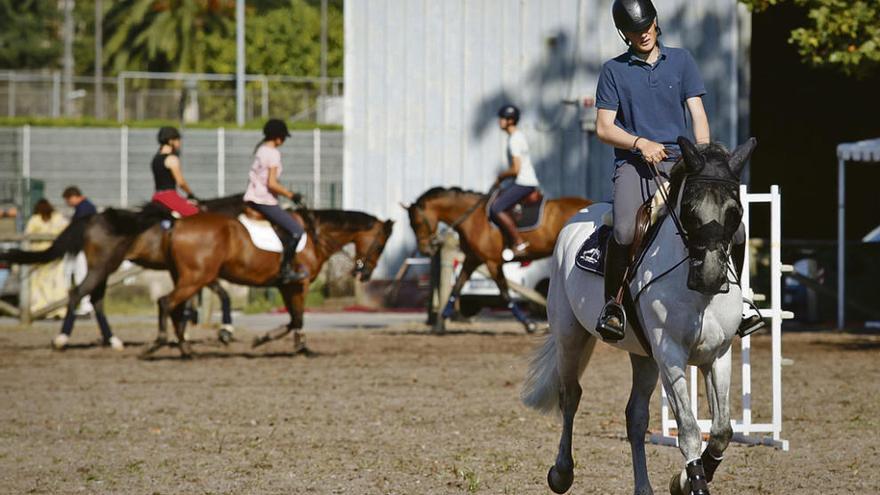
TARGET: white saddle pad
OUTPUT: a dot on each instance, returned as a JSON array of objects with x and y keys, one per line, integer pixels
[{"x": 264, "y": 237}]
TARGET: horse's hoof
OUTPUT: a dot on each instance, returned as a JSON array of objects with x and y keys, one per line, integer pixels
[
  {"x": 677, "y": 483},
  {"x": 116, "y": 343},
  {"x": 531, "y": 327},
  {"x": 185, "y": 350},
  {"x": 59, "y": 343},
  {"x": 560, "y": 481},
  {"x": 439, "y": 326},
  {"x": 225, "y": 335}
]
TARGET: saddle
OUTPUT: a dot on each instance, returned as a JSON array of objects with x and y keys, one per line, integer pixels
[
  {"x": 527, "y": 212},
  {"x": 591, "y": 255},
  {"x": 253, "y": 214}
]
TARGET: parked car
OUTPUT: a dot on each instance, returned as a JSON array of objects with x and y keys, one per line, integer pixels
[{"x": 481, "y": 292}]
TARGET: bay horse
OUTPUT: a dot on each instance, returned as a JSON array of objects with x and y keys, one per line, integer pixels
[
  {"x": 481, "y": 241},
  {"x": 687, "y": 299},
  {"x": 110, "y": 237},
  {"x": 207, "y": 247}
]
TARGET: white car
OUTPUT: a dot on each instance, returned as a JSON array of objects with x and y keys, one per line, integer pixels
[{"x": 480, "y": 291}]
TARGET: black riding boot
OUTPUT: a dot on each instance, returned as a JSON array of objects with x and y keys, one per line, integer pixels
[
  {"x": 612, "y": 319},
  {"x": 286, "y": 274},
  {"x": 753, "y": 322}
]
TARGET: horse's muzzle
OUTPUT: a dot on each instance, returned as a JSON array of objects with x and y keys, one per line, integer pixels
[{"x": 707, "y": 272}]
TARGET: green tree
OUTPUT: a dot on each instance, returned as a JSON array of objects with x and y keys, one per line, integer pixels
[
  {"x": 843, "y": 34},
  {"x": 167, "y": 35},
  {"x": 29, "y": 34}
]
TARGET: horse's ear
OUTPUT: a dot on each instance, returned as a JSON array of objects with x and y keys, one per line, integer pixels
[
  {"x": 693, "y": 160},
  {"x": 741, "y": 155}
]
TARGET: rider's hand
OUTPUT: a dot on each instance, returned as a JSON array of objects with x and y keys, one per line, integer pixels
[
  {"x": 652, "y": 152},
  {"x": 296, "y": 198},
  {"x": 192, "y": 197}
]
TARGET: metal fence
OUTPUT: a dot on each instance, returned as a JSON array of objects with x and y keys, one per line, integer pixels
[
  {"x": 169, "y": 96},
  {"x": 112, "y": 165}
]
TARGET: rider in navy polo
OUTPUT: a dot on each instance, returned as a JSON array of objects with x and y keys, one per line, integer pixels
[{"x": 646, "y": 97}]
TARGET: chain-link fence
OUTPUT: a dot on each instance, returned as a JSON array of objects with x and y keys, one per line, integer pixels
[
  {"x": 112, "y": 165},
  {"x": 169, "y": 96}
]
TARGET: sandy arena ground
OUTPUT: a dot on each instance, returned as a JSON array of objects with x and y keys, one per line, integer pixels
[{"x": 389, "y": 409}]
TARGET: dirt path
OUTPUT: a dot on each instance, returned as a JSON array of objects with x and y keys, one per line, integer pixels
[{"x": 391, "y": 411}]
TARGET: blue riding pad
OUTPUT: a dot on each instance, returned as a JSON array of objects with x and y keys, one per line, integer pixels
[{"x": 591, "y": 255}]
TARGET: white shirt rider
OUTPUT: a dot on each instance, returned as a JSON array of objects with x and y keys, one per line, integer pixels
[{"x": 517, "y": 146}]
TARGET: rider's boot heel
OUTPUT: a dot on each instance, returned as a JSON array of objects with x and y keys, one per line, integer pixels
[
  {"x": 612, "y": 320},
  {"x": 286, "y": 273}
]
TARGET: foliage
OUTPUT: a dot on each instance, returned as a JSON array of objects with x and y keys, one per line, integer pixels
[
  {"x": 843, "y": 34},
  {"x": 282, "y": 36},
  {"x": 167, "y": 34},
  {"x": 29, "y": 30}
]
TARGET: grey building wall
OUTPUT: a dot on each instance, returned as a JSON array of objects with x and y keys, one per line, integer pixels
[{"x": 424, "y": 79}]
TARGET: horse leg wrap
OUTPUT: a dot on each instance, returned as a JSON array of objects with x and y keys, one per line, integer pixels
[
  {"x": 449, "y": 309},
  {"x": 697, "y": 477},
  {"x": 518, "y": 313},
  {"x": 710, "y": 463},
  {"x": 104, "y": 325},
  {"x": 226, "y": 308}
]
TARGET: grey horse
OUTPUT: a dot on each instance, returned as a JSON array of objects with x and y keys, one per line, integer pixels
[{"x": 686, "y": 296}]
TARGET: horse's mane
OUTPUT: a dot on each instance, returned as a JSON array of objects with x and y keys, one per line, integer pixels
[
  {"x": 134, "y": 222},
  {"x": 345, "y": 220},
  {"x": 227, "y": 205},
  {"x": 436, "y": 192}
]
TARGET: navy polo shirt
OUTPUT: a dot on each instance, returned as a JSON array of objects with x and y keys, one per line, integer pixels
[
  {"x": 650, "y": 99},
  {"x": 85, "y": 208}
]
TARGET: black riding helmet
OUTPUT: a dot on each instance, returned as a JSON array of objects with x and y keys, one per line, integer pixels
[
  {"x": 509, "y": 112},
  {"x": 633, "y": 16},
  {"x": 275, "y": 128},
  {"x": 166, "y": 134}
]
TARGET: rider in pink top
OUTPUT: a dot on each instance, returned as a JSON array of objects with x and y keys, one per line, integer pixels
[
  {"x": 266, "y": 157},
  {"x": 262, "y": 191}
]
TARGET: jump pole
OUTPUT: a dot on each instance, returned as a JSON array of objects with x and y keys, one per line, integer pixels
[{"x": 744, "y": 430}]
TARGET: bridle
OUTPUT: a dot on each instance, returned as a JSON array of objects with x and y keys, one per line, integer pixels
[
  {"x": 360, "y": 262},
  {"x": 682, "y": 232},
  {"x": 435, "y": 239}
]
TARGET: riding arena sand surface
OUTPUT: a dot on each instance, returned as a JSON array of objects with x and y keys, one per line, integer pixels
[{"x": 392, "y": 410}]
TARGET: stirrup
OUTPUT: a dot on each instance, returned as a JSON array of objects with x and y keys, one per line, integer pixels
[
  {"x": 612, "y": 309},
  {"x": 752, "y": 323}
]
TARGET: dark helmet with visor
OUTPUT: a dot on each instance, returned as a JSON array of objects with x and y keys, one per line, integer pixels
[
  {"x": 633, "y": 16},
  {"x": 509, "y": 112},
  {"x": 275, "y": 128},
  {"x": 166, "y": 134}
]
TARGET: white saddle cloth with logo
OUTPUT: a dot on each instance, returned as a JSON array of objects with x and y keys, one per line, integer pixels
[{"x": 263, "y": 235}]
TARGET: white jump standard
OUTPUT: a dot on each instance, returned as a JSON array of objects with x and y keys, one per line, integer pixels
[{"x": 745, "y": 431}]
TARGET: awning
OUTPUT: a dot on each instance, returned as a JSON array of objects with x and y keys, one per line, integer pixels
[{"x": 860, "y": 151}]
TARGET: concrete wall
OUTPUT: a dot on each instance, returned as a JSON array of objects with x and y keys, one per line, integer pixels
[
  {"x": 424, "y": 79},
  {"x": 92, "y": 158}
]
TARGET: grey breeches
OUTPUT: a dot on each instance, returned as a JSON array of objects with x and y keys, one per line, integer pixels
[{"x": 633, "y": 185}]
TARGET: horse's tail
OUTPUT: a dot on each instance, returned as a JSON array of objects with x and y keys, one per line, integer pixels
[
  {"x": 70, "y": 240},
  {"x": 541, "y": 388}
]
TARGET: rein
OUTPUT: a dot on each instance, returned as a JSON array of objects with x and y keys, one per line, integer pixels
[
  {"x": 334, "y": 247},
  {"x": 435, "y": 237}
]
